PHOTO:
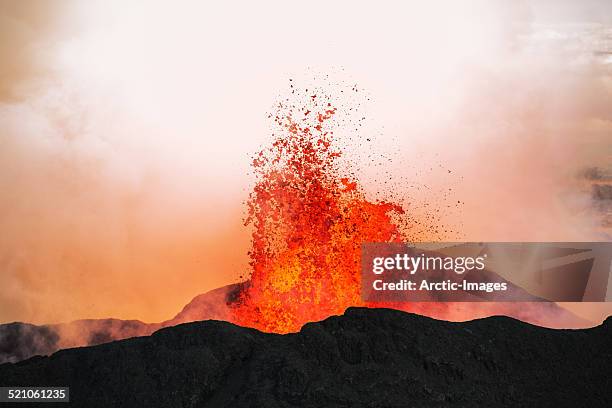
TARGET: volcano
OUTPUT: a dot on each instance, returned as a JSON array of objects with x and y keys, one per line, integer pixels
[
  {"x": 20, "y": 341},
  {"x": 366, "y": 357},
  {"x": 309, "y": 218}
]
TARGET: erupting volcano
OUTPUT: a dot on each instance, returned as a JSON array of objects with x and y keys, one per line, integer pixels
[
  {"x": 309, "y": 223},
  {"x": 310, "y": 217}
]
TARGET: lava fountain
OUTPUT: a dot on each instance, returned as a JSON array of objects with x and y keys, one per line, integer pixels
[
  {"x": 309, "y": 219},
  {"x": 309, "y": 223}
]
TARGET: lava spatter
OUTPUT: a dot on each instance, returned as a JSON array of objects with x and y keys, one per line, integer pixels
[{"x": 309, "y": 222}]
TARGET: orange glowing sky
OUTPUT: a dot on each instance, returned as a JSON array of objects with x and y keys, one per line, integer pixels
[{"x": 126, "y": 130}]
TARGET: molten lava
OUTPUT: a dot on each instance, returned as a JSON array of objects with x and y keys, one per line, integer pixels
[
  {"x": 309, "y": 224},
  {"x": 309, "y": 220}
]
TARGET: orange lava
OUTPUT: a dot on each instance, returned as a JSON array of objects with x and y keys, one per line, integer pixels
[
  {"x": 309, "y": 224},
  {"x": 309, "y": 220}
]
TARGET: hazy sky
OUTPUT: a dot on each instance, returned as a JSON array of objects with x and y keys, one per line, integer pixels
[{"x": 126, "y": 129}]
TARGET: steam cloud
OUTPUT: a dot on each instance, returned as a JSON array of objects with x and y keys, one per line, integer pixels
[{"x": 97, "y": 214}]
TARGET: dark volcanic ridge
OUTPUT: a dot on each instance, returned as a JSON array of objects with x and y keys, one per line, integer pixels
[
  {"x": 365, "y": 358},
  {"x": 19, "y": 341}
]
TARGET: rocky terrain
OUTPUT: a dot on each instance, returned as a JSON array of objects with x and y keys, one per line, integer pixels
[
  {"x": 19, "y": 341},
  {"x": 365, "y": 358}
]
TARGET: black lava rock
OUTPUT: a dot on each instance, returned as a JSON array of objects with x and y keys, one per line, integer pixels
[{"x": 365, "y": 358}]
